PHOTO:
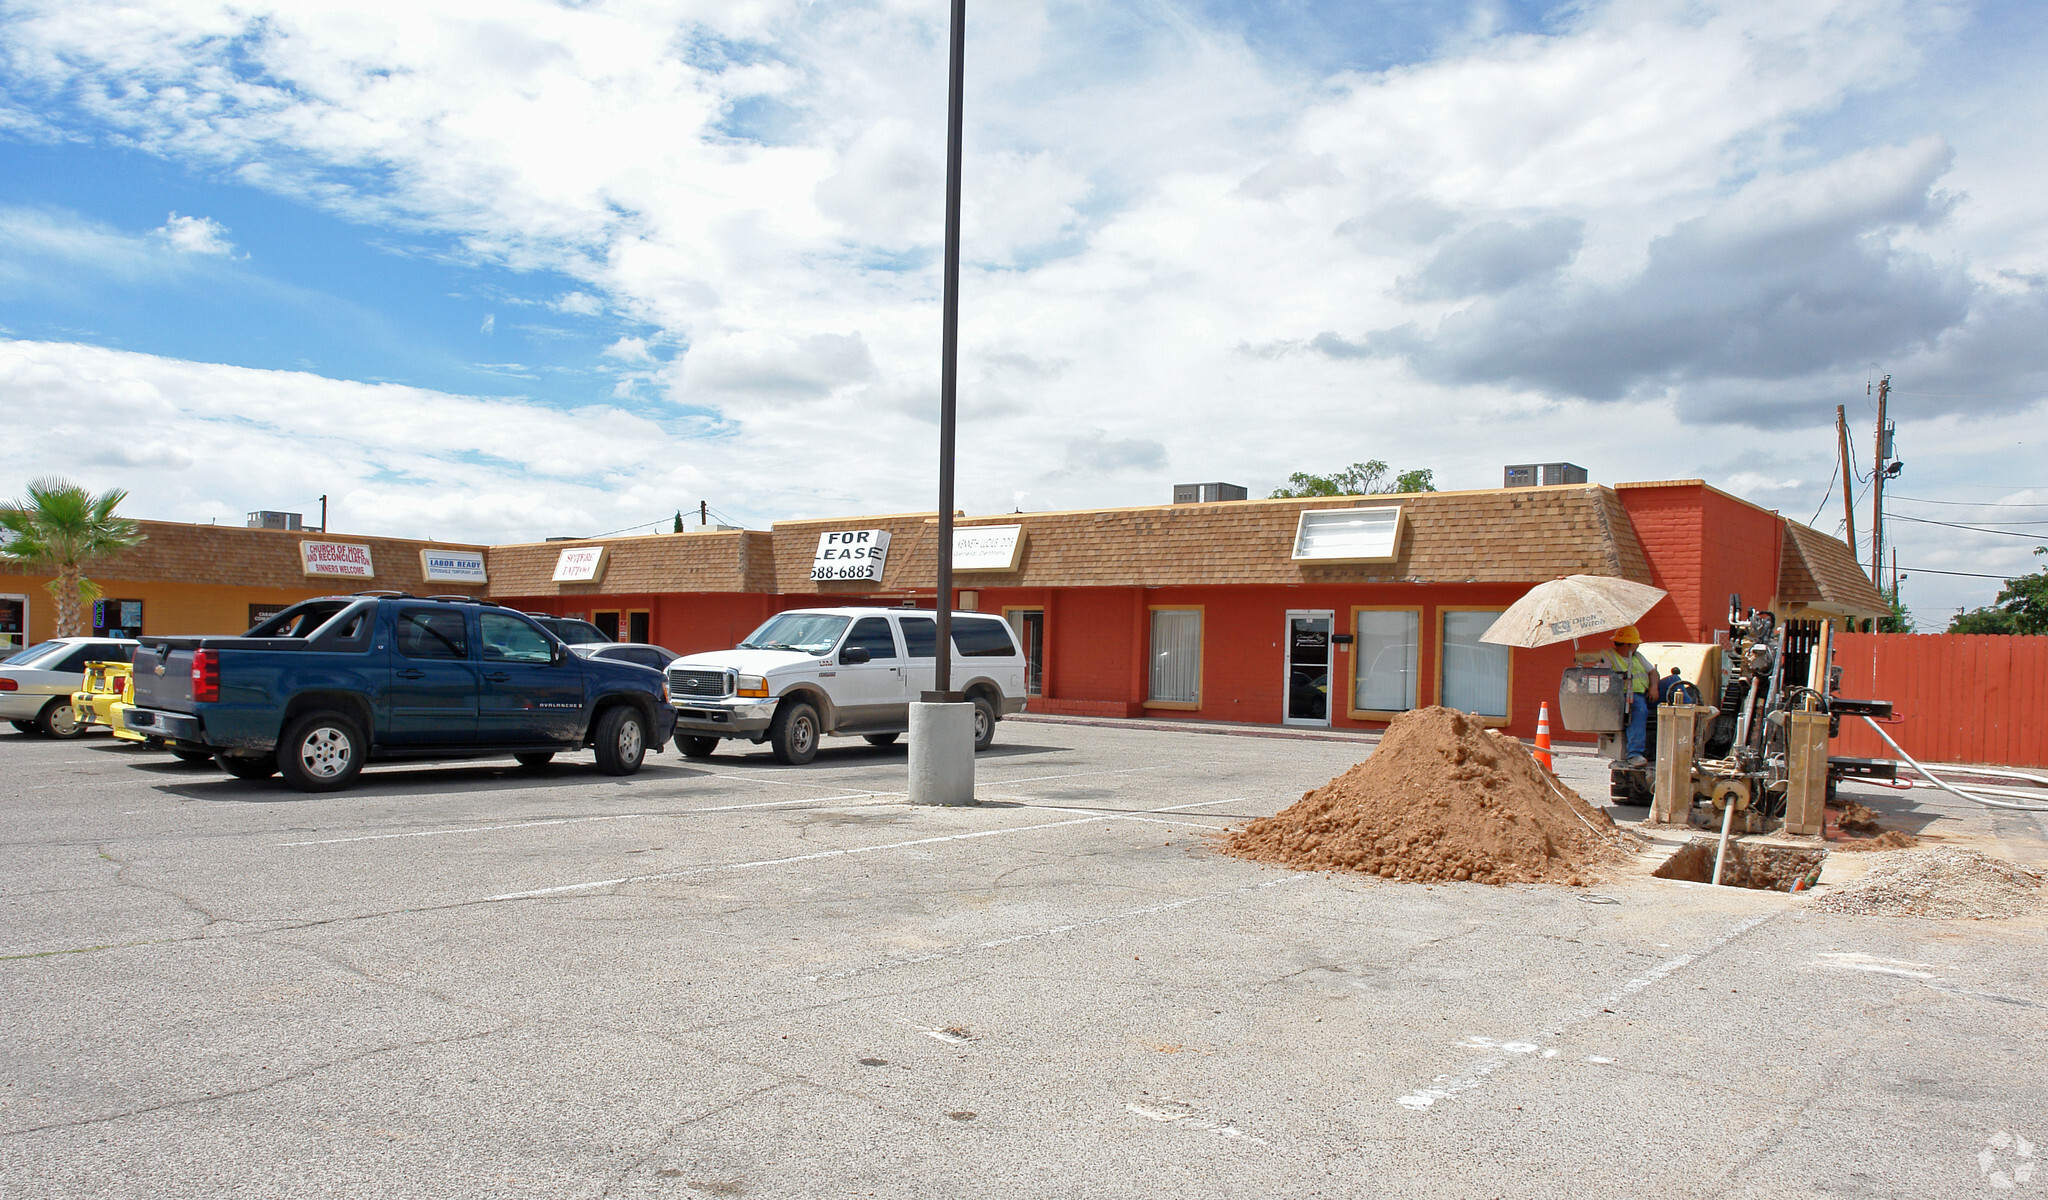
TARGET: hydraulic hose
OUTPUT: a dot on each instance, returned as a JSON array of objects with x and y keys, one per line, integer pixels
[{"x": 1937, "y": 781}]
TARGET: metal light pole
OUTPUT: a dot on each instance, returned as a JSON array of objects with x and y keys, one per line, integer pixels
[
  {"x": 942, "y": 722},
  {"x": 949, "y": 358}
]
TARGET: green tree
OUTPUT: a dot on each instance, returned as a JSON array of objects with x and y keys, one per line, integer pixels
[
  {"x": 1900, "y": 618},
  {"x": 1359, "y": 479},
  {"x": 60, "y": 528},
  {"x": 2021, "y": 607}
]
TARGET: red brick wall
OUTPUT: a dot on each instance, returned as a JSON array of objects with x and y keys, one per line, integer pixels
[
  {"x": 1702, "y": 546},
  {"x": 683, "y": 622}
]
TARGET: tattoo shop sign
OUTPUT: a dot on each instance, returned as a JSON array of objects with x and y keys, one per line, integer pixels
[{"x": 851, "y": 554}]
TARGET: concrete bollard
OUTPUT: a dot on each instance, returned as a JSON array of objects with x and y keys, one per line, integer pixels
[{"x": 941, "y": 753}]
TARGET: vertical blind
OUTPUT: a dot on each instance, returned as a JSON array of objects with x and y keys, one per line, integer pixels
[
  {"x": 1475, "y": 672},
  {"x": 1386, "y": 655},
  {"x": 1176, "y": 655}
]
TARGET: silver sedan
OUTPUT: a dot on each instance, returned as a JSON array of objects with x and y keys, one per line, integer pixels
[{"x": 36, "y": 683}]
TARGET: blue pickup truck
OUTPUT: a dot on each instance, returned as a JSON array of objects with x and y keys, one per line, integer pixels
[{"x": 326, "y": 685}]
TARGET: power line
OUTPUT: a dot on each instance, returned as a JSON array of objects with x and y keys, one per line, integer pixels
[
  {"x": 1972, "y": 528},
  {"x": 1832, "y": 473},
  {"x": 1964, "y": 574},
  {"x": 1970, "y": 396},
  {"x": 1975, "y": 503}
]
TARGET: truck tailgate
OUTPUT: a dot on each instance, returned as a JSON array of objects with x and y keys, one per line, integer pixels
[{"x": 163, "y": 675}]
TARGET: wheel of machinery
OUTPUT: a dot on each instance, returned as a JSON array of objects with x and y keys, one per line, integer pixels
[
  {"x": 697, "y": 747},
  {"x": 880, "y": 739},
  {"x": 247, "y": 768},
  {"x": 321, "y": 752},
  {"x": 536, "y": 761},
  {"x": 25, "y": 726},
  {"x": 621, "y": 741},
  {"x": 192, "y": 756},
  {"x": 59, "y": 720},
  {"x": 794, "y": 733}
]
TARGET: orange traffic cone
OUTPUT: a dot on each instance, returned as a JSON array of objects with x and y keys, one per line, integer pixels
[{"x": 1543, "y": 737}]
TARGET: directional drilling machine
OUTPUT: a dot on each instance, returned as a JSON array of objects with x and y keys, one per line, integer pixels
[{"x": 1761, "y": 747}]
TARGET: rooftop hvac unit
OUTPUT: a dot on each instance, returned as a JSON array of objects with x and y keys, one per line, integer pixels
[
  {"x": 276, "y": 520},
  {"x": 1542, "y": 474},
  {"x": 1207, "y": 493}
]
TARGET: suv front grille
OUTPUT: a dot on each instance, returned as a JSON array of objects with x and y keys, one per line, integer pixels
[{"x": 705, "y": 685}]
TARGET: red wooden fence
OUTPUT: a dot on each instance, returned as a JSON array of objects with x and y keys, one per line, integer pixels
[{"x": 1962, "y": 698}]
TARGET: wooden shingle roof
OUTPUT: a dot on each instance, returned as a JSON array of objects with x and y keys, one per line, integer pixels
[
  {"x": 735, "y": 561},
  {"x": 234, "y": 555},
  {"x": 1818, "y": 573}
]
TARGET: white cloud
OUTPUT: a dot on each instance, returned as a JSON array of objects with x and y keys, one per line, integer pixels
[
  {"x": 195, "y": 235},
  {"x": 1144, "y": 196}
]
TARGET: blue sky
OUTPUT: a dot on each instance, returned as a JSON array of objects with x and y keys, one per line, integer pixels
[{"x": 518, "y": 269}]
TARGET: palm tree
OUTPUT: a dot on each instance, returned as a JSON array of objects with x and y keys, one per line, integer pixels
[{"x": 60, "y": 528}]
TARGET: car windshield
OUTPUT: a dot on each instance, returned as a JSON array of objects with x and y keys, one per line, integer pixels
[
  {"x": 23, "y": 658},
  {"x": 806, "y": 633}
]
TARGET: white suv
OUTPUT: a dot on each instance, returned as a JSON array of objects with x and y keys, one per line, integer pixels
[{"x": 848, "y": 671}]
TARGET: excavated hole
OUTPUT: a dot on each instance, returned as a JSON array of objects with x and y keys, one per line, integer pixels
[{"x": 1749, "y": 865}]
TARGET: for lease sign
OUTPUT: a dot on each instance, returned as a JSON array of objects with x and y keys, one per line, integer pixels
[
  {"x": 851, "y": 554},
  {"x": 336, "y": 558}
]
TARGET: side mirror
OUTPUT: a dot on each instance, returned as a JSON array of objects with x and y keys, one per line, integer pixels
[
  {"x": 557, "y": 654},
  {"x": 853, "y": 656}
]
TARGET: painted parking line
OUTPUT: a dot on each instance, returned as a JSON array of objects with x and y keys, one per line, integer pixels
[
  {"x": 681, "y": 812},
  {"x": 1541, "y": 1044},
  {"x": 1088, "y": 818}
]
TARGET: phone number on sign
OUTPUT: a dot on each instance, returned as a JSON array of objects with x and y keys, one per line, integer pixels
[{"x": 846, "y": 572}]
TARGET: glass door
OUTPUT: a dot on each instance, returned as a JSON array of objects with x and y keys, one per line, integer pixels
[
  {"x": 13, "y": 624},
  {"x": 1308, "y": 668},
  {"x": 1029, "y": 626}
]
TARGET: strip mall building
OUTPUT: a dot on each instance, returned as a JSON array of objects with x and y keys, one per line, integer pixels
[{"x": 1341, "y": 611}]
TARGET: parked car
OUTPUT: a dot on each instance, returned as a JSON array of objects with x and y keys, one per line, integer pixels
[
  {"x": 658, "y": 657},
  {"x": 37, "y": 684},
  {"x": 571, "y": 631},
  {"x": 327, "y": 685},
  {"x": 843, "y": 671}
]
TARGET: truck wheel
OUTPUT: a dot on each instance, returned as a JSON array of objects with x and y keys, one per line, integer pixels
[
  {"x": 984, "y": 723},
  {"x": 59, "y": 720},
  {"x": 880, "y": 739},
  {"x": 322, "y": 752},
  {"x": 794, "y": 733},
  {"x": 1622, "y": 788},
  {"x": 248, "y": 768},
  {"x": 697, "y": 747},
  {"x": 192, "y": 756},
  {"x": 535, "y": 762},
  {"x": 621, "y": 741}
]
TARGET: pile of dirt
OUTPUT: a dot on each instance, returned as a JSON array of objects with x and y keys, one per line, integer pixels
[
  {"x": 1442, "y": 798},
  {"x": 1861, "y": 831},
  {"x": 1947, "y": 882}
]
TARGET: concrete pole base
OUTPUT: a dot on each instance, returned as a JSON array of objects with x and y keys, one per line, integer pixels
[{"x": 941, "y": 753}]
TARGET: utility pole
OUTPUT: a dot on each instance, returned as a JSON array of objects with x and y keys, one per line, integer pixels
[
  {"x": 1848, "y": 478},
  {"x": 704, "y": 513},
  {"x": 1877, "y": 467}
]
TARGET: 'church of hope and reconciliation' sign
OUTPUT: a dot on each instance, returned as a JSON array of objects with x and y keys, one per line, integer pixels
[
  {"x": 851, "y": 554},
  {"x": 336, "y": 558}
]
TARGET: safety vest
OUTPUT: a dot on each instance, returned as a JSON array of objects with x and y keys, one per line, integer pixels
[{"x": 1636, "y": 666}]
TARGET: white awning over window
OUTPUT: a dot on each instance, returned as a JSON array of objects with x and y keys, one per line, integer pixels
[{"x": 1348, "y": 534}]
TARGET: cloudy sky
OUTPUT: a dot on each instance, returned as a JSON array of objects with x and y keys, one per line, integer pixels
[{"x": 503, "y": 270}]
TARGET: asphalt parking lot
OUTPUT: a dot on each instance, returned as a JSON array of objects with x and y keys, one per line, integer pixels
[{"x": 732, "y": 978}]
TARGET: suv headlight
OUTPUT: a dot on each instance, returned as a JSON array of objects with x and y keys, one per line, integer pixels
[{"x": 752, "y": 685}]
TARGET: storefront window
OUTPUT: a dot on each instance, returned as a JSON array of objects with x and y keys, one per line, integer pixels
[
  {"x": 1388, "y": 643},
  {"x": 1475, "y": 673},
  {"x": 1176, "y": 656}
]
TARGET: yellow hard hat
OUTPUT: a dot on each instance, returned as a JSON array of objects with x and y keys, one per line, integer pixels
[{"x": 1628, "y": 634}]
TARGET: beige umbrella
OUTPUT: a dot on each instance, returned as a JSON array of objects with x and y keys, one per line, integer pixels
[{"x": 1572, "y": 607}]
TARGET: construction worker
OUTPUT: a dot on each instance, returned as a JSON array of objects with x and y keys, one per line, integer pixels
[{"x": 1642, "y": 676}]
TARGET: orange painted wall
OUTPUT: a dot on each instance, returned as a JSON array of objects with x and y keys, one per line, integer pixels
[
  {"x": 1959, "y": 697},
  {"x": 1702, "y": 546},
  {"x": 167, "y": 608},
  {"x": 1098, "y": 640}
]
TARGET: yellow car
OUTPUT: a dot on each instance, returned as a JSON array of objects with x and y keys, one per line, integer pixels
[{"x": 104, "y": 700}]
